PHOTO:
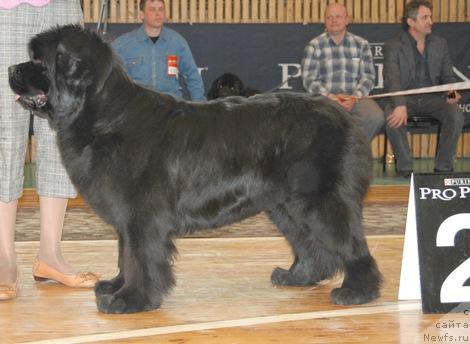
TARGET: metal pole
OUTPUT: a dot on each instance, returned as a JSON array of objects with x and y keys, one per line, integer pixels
[{"x": 103, "y": 16}]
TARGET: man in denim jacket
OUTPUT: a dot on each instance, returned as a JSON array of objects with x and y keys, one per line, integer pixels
[{"x": 156, "y": 56}]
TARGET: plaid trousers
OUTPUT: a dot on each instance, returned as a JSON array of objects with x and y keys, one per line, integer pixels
[{"x": 17, "y": 26}]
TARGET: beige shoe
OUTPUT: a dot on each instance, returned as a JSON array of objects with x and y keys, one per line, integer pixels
[{"x": 43, "y": 272}]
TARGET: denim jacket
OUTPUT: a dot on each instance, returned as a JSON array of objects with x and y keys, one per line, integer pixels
[{"x": 147, "y": 62}]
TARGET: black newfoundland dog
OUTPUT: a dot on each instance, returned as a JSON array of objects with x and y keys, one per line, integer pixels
[
  {"x": 156, "y": 167},
  {"x": 229, "y": 84}
]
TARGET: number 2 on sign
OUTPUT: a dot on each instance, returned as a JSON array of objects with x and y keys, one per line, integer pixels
[{"x": 453, "y": 289}]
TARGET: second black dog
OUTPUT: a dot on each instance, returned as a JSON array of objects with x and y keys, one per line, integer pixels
[{"x": 229, "y": 84}]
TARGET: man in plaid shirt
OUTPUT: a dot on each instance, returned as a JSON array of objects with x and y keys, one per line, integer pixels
[{"x": 339, "y": 65}]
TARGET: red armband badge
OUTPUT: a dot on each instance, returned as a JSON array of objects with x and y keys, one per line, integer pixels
[{"x": 172, "y": 63}]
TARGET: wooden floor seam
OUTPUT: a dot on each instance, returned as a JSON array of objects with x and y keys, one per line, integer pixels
[{"x": 389, "y": 307}]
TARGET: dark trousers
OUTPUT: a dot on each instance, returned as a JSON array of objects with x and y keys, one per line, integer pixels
[{"x": 451, "y": 119}]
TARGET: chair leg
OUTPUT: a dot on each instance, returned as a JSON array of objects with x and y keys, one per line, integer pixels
[
  {"x": 438, "y": 136},
  {"x": 384, "y": 160}
]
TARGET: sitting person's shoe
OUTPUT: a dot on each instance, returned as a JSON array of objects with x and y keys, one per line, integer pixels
[
  {"x": 43, "y": 272},
  {"x": 9, "y": 291},
  {"x": 404, "y": 173}
]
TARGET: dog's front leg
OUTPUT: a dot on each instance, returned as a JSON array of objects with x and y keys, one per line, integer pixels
[
  {"x": 114, "y": 284},
  {"x": 145, "y": 269}
]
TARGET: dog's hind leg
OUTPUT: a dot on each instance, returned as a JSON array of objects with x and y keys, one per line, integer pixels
[
  {"x": 342, "y": 233},
  {"x": 146, "y": 271},
  {"x": 362, "y": 278},
  {"x": 312, "y": 262},
  {"x": 327, "y": 236}
]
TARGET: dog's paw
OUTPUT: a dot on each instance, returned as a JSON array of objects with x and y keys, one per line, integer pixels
[
  {"x": 123, "y": 303},
  {"x": 348, "y": 296},
  {"x": 103, "y": 287},
  {"x": 281, "y": 277},
  {"x": 110, "y": 286}
]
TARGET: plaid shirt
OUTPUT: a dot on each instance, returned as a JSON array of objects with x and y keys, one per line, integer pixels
[{"x": 344, "y": 68}]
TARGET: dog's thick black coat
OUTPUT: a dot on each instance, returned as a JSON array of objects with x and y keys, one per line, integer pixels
[
  {"x": 156, "y": 167},
  {"x": 229, "y": 84}
]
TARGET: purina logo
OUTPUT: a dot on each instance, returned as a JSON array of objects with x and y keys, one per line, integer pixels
[
  {"x": 447, "y": 194},
  {"x": 456, "y": 181}
]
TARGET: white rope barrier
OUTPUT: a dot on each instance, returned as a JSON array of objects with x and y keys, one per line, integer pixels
[{"x": 440, "y": 88}]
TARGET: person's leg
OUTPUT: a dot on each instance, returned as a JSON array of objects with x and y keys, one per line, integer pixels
[
  {"x": 54, "y": 189},
  {"x": 14, "y": 125},
  {"x": 12, "y": 152},
  {"x": 52, "y": 213},
  {"x": 8, "y": 270},
  {"x": 371, "y": 117},
  {"x": 451, "y": 118},
  {"x": 399, "y": 140},
  {"x": 53, "y": 183}
]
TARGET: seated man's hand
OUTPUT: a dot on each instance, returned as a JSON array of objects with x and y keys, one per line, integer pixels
[
  {"x": 345, "y": 100},
  {"x": 398, "y": 117},
  {"x": 453, "y": 97}
]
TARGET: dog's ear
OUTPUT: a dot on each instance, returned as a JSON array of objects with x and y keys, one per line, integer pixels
[
  {"x": 73, "y": 67},
  {"x": 91, "y": 66},
  {"x": 68, "y": 63}
]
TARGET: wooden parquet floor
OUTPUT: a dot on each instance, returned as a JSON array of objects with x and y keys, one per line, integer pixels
[{"x": 223, "y": 295}]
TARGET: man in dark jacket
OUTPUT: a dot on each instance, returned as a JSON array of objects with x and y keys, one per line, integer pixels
[{"x": 413, "y": 59}]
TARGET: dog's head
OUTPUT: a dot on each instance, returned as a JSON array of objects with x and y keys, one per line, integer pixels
[
  {"x": 226, "y": 85},
  {"x": 29, "y": 81},
  {"x": 67, "y": 63}
]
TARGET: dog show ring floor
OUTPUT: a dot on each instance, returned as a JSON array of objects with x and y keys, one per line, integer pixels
[{"x": 223, "y": 295}]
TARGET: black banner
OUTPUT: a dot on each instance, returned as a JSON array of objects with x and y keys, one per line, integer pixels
[
  {"x": 443, "y": 230},
  {"x": 265, "y": 56}
]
